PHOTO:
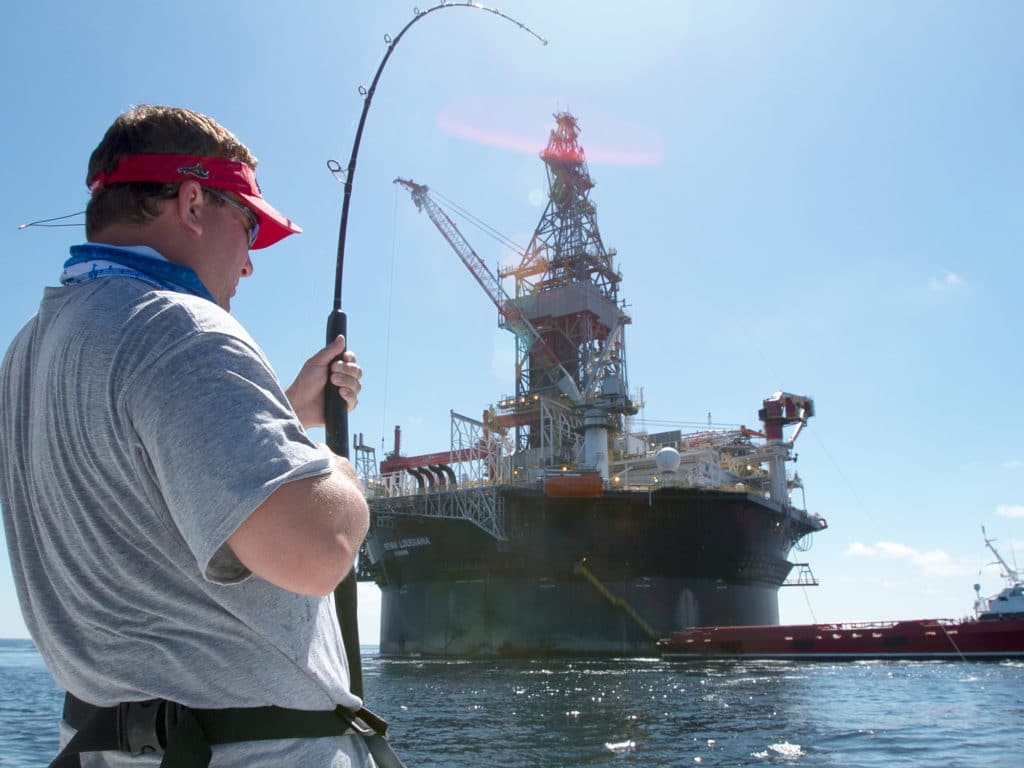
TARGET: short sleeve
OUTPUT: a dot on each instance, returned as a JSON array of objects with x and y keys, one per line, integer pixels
[{"x": 221, "y": 436}]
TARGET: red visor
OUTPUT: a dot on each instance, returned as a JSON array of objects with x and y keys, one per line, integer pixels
[{"x": 216, "y": 172}]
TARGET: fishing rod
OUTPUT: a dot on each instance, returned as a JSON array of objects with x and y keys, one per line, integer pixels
[{"x": 335, "y": 408}]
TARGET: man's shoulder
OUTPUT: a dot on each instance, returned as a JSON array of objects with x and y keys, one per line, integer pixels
[{"x": 171, "y": 313}]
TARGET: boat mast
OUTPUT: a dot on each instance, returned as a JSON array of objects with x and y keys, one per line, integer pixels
[{"x": 1010, "y": 574}]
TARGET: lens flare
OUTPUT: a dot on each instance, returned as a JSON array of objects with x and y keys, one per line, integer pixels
[{"x": 611, "y": 140}]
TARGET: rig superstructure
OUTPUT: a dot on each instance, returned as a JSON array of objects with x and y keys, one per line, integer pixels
[{"x": 549, "y": 525}]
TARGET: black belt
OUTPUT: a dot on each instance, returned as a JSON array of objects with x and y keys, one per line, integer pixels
[{"x": 184, "y": 735}]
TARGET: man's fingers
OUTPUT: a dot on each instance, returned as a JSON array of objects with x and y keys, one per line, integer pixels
[
  {"x": 328, "y": 353},
  {"x": 333, "y": 349}
]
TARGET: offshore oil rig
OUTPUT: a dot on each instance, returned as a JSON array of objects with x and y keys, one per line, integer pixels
[{"x": 548, "y": 526}]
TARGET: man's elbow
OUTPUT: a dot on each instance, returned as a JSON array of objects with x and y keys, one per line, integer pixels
[
  {"x": 323, "y": 577},
  {"x": 305, "y": 537},
  {"x": 315, "y": 570}
]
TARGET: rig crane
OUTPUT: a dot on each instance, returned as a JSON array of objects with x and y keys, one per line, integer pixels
[{"x": 511, "y": 314}]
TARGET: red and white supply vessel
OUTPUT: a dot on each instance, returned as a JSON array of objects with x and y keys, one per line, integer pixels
[{"x": 996, "y": 631}]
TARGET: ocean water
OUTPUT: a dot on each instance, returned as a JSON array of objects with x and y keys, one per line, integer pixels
[{"x": 644, "y": 712}]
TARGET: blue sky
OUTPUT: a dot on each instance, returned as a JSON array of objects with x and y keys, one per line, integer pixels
[{"x": 821, "y": 197}]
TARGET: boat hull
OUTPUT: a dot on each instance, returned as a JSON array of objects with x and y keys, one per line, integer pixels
[
  {"x": 917, "y": 639},
  {"x": 573, "y": 576}
]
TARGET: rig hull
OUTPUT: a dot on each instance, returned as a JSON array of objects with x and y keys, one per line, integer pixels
[
  {"x": 495, "y": 616},
  {"x": 608, "y": 574}
]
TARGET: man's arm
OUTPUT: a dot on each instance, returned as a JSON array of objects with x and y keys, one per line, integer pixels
[{"x": 305, "y": 536}]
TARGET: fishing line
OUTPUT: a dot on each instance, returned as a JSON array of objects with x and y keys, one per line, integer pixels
[
  {"x": 46, "y": 222},
  {"x": 807, "y": 599},
  {"x": 480, "y": 224},
  {"x": 849, "y": 485},
  {"x": 388, "y": 318}
]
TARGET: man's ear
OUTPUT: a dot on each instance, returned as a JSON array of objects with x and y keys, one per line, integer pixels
[{"x": 188, "y": 206}]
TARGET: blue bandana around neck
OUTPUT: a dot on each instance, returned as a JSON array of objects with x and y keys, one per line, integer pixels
[{"x": 92, "y": 261}]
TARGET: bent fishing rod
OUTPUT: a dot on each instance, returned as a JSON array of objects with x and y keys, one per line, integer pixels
[{"x": 335, "y": 408}]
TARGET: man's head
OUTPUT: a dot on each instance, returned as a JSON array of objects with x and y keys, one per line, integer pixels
[
  {"x": 179, "y": 182},
  {"x": 149, "y": 150}
]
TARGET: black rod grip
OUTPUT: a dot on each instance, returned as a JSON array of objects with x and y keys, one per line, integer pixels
[
  {"x": 345, "y": 594},
  {"x": 335, "y": 407}
]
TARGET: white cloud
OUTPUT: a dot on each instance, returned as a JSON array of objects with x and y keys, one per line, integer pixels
[
  {"x": 890, "y": 550},
  {"x": 856, "y": 549},
  {"x": 1010, "y": 510},
  {"x": 950, "y": 281},
  {"x": 1014, "y": 464},
  {"x": 933, "y": 563}
]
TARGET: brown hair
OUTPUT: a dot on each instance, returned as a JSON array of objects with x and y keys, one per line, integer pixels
[{"x": 156, "y": 129}]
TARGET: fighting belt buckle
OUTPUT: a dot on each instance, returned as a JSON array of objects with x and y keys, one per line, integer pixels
[
  {"x": 366, "y": 722},
  {"x": 143, "y": 726},
  {"x": 363, "y": 721}
]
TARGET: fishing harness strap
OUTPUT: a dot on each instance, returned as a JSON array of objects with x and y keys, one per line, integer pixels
[{"x": 184, "y": 735}]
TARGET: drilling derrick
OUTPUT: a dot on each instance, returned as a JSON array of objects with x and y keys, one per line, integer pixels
[{"x": 566, "y": 286}]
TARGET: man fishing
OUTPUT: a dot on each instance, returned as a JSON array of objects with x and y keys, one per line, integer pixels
[{"x": 175, "y": 535}]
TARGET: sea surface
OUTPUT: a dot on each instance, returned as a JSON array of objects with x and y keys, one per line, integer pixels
[{"x": 644, "y": 712}]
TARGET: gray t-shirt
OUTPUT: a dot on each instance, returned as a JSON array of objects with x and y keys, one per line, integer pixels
[{"x": 139, "y": 429}]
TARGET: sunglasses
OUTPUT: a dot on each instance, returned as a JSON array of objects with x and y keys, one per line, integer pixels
[{"x": 253, "y": 227}]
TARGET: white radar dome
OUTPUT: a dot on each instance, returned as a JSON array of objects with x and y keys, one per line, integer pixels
[{"x": 667, "y": 459}]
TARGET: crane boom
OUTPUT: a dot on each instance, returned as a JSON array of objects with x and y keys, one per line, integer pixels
[
  {"x": 450, "y": 232},
  {"x": 510, "y": 311}
]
